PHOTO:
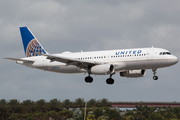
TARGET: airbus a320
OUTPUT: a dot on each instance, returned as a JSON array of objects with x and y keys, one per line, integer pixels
[{"x": 130, "y": 63}]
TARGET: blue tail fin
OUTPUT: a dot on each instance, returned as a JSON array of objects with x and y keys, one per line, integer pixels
[{"x": 31, "y": 45}]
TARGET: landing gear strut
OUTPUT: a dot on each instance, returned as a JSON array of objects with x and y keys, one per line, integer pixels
[
  {"x": 110, "y": 80},
  {"x": 88, "y": 79},
  {"x": 154, "y": 73}
]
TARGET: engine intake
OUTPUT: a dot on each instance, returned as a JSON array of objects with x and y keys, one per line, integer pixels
[
  {"x": 102, "y": 69},
  {"x": 133, "y": 73}
]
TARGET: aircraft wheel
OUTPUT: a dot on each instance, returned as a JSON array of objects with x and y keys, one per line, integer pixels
[
  {"x": 110, "y": 81},
  {"x": 89, "y": 79},
  {"x": 155, "y": 77}
]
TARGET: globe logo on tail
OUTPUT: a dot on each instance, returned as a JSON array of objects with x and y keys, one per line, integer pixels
[{"x": 34, "y": 48}]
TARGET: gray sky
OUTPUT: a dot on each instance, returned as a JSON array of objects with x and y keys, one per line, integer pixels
[{"x": 67, "y": 25}]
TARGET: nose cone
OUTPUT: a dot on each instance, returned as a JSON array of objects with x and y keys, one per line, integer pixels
[{"x": 174, "y": 59}]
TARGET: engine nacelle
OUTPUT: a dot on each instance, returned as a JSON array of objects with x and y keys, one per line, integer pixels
[
  {"x": 133, "y": 73},
  {"x": 102, "y": 69}
]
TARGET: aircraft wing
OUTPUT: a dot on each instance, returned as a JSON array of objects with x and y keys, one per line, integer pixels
[
  {"x": 85, "y": 64},
  {"x": 17, "y": 59}
]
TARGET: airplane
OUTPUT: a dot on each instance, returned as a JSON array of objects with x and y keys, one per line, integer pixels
[{"x": 130, "y": 63}]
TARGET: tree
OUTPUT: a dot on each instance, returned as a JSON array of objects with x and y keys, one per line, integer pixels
[
  {"x": 67, "y": 103},
  {"x": 64, "y": 114},
  {"x": 13, "y": 104},
  {"x": 41, "y": 105},
  {"x": 79, "y": 102},
  {"x": 92, "y": 103},
  {"x": 52, "y": 114},
  {"x": 114, "y": 114},
  {"x": 97, "y": 112},
  {"x": 156, "y": 116},
  {"x": 104, "y": 102},
  {"x": 90, "y": 117},
  {"x": 130, "y": 117},
  {"x": 54, "y": 105},
  {"x": 27, "y": 105},
  {"x": 4, "y": 109},
  {"x": 176, "y": 111}
]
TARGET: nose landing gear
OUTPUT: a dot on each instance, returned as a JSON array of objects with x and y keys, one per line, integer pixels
[{"x": 154, "y": 73}]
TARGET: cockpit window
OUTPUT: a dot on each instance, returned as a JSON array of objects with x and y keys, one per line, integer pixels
[
  {"x": 168, "y": 53},
  {"x": 164, "y": 53}
]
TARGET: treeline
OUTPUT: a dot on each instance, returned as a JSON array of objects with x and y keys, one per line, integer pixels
[
  {"x": 75, "y": 110},
  {"x": 42, "y": 109}
]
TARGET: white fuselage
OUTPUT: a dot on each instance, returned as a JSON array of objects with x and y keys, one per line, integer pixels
[{"x": 122, "y": 59}]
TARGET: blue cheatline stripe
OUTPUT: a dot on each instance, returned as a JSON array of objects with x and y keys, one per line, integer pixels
[{"x": 26, "y": 36}]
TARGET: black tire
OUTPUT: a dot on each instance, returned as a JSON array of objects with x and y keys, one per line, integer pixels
[
  {"x": 88, "y": 79},
  {"x": 110, "y": 81},
  {"x": 155, "y": 77}
]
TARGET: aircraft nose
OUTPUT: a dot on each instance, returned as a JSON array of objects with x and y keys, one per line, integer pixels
[{"x": 175, "y": 60}]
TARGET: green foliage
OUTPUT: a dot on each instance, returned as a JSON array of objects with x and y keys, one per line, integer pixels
[
  {"x": 67, "y": 110},
  {"x": 41, "y": 105},
  {"x": 130, "y": 117},
  {"x": 104, "y": 102},
  {"x": 67, "y": 104},
  {"x": 55, "y": 105},
  {"x": 27, "y": 106},
  {"x": 91, "y": 117},
  {"x": 103, "y": 118},
  {"x": 92, "y": 103},
  {"x": 79, "y": 103}
]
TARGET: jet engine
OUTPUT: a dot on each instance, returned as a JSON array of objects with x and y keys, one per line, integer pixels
[
  {"x": 102, "y": 69},
  {"x": 133, "y": 73}
]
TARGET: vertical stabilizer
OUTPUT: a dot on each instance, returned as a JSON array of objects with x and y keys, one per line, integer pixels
[{"x": 31, "y": 45}]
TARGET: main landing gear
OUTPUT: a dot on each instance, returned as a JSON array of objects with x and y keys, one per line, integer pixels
[
  {"x": 110, "y": 80},
  {"x": 89, "y": 79},
  {"x": 154, "y": 73}
]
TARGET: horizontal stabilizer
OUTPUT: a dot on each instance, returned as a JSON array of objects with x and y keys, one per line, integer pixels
[{"x": 17, "y": 59}]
